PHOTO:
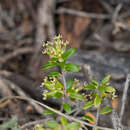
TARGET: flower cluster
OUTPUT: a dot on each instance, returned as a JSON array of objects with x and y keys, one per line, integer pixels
[
  {"x": 54, "y": 87},
  {"x": 55, "y": 49}
]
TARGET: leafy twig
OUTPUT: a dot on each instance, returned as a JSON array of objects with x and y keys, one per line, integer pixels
[{"x": 56, "y": 111}]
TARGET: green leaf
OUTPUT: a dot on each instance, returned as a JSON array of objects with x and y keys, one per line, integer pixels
[
  {"x": 63, "y": 121},
  {"x": 88, "y": 104},
  {"x": 51, "y": 93},
  {"x": 53, "y": 59},
  {"x": 101, "y": 89},
  {"x": 97, "y": 101},
  {"x": 90, "y": 86},
  {"x": 62, "y": 65},
  {"x": 68, "y": 53},
  {"x": 59, "y": 85},
  {"x": 54, "y": 73},
  {"x": 73, "y": 126},
  {"x": 109, "y": 89},
  {"x": 51, "y": 124},
  {"x": 72, "y": 67},
  {"x": 88, "y": 118},
  {"x": 67, "y": 108},
  {"x": 48, "y": 112},
  {"x": 58, "y": 95},
  {"x": 75, "y": 95},
  {"x": 69, "y": 83},
  {"x": 106, "y": 79},
  {"x": 39, "y": 127},
  {"x": 94, "y": 82},
  {"x": 106, "y": 110},
  {"x": 49, "y": 65}
]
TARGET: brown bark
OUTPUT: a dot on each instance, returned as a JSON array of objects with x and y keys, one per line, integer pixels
[{"x": 74, "y": 28}]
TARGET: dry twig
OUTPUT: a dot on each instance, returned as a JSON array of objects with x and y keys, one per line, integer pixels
[
  {"x": 124, "y": 98},
  {"x": 33, "y": 123},
  {"x": 15, "y": 53},
  {"x": 10, "y": 86},
  {"x": 82, "y": 14}
]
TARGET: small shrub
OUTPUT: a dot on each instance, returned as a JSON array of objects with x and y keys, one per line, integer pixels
[{"x": 83, "y": 96}]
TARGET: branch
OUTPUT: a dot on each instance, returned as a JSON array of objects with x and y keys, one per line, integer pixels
[
  {"x": 7, "y": 86},
  {"x": 83, "y": 14},
  {"x": 124, "y": 98},
  {"x": 97, "y": 118},
  {"x": 56, "y": 111},
  {"x": 108, "y": 8},
  {"x": 33, "y": 123},
  {"x": 116, "y": 13},
  {"x": 15, "y": 53}
]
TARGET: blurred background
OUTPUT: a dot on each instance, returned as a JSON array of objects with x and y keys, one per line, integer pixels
[{"x": 99, "y": 29}]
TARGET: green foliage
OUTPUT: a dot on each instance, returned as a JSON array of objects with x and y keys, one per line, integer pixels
[
  {"x": 71, "y": 67},
  {"x": 73, "y": 126},
  {"x": 71, "y": 89},
  {"x": 51, "y": 124},
  {"x": 97, "y": 100},
  {"x": 68, "y": 53},
  {"x": 63, "y": 124},
  {"x": 99, "y": 92},
  {"x": 106, "y": 110},
  {"x": 69, "y": 83},
  {"x": 11, "y": 124},
  {"x": 54, "y": 73},
  {"x": 88, "y": 104},
  {"x": 48, "y": 112},
  {"x": 88, "y": 118},
  {"x": 67, "y": 108}
]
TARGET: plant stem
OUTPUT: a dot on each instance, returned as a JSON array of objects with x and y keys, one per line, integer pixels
[
  {"x": 97, "y": 117},
  {"x": 124, "y": 97},
  {"x": 64, "y": 84}
]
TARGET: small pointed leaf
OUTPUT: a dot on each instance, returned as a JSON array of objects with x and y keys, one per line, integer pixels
[
  {"x": 106, "y": 110},
  {"x": 68, "y": 53},
  {"x": 88, "y": 104},
  {"x": 54, "y": 73},
  {"x": 106, "y": 79},
  {"x": 48, "y": 112},
  {"x": 49, "y": 65},
  {"x": 73, "y": 126},
  {"x": 101, "y": 89},
  {"x": 69, "y": 83},
  {"x": 90, "y": 87},
  {"x": 97, "y": 101},
  {"x": 51, "y": 124},
  {"x": 53, "y": 59},
  {"x": 72, "y": 67},
  {"x": 58, "y": 95},
  {"x": 67, "y": 108},
  {"x": 75, "y": 95},
  {"x": 94, "y": 82},
  {"x": 63, "y": 121},
  {"x": 51, "y": 93},
  {"x": 109, "y": 89},
  {"x": 88, "y": 118}
]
